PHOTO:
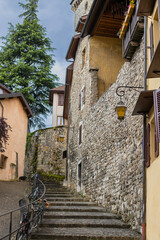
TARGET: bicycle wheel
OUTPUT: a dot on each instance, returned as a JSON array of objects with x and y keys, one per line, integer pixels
[{"x": 20, "y": 235}]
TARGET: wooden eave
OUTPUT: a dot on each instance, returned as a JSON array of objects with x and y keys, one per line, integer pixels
[
  {"x": 81, "y": 23},
  {"x": 145, "y": 7},
  {"x": 7, "y": 90},
  {"x": 144, "y": 103},
  {"x": 73, "y": 47},
  {"x": 22, "y": 100},
  {"x": 154, "y": 68},
  {"x": 69, "y": 74},
  {"x": 101, "y": 22}
]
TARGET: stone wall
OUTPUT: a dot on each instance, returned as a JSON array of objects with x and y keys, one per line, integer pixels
[
  {"x": 111, "y": 151},
  {"x": 45, "y": 151}
]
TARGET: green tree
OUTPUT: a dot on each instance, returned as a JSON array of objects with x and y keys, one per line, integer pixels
[{"x": 26, "y": 60}]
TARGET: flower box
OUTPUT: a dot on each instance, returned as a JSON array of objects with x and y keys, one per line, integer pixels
[{"x": 126, "y": 20}]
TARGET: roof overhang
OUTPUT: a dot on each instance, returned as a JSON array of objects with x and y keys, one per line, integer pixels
[
  {"x": 69, "y": 74},
  {"x": 154, "y": 68},
  {"x": 7, "y": 90},
  {"x": 145, "y": 7},
  {"x": 101, "y": 21},
  {"x": 144, "y": 103},
  {"x": 73, "y": 47},
  {"x": 21, "y": 98}
]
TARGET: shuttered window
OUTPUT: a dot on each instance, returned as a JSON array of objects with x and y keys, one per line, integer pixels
[
  {"x": 60, "y": 99},
  {"x": 156, "y": 96},
  {"x": 147, "y": 146},
  {"x": 151, "y": 42}
]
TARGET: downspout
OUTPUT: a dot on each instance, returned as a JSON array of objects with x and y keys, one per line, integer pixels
[
  {"x": 2, "y": 109},
  {"x": 144, "y": 138}
]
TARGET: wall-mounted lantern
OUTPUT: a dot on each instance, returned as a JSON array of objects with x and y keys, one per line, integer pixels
[
  {"x": 121, "y": 108},
  {"x": 61, "y": 137}
]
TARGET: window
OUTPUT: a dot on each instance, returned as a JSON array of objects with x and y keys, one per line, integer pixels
[
  {"x": 60, "y": 121},
  {"x": 80, "y": 134},
  {"x": 60, "y": 99},
  {"x": 83, "y": 57},
  {"x": 82, "y": 98},
  {"x": 79, "y": 174},
  {"x": 3, "y": 160},
  {"x": 1, "y": 91}
]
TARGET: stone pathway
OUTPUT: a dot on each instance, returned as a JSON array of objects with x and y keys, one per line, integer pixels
[{"x": 72, "y": 217}]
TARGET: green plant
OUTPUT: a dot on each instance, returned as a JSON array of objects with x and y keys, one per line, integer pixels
[{"x": 12, "y": 164}]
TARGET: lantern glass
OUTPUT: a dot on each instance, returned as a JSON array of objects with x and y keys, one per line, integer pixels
[
  {"x": 61, "y": 138},
  {"x": 121, "y": 110}
]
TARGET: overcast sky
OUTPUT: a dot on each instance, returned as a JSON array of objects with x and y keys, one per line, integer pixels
[{"x": 58, "y": 19}]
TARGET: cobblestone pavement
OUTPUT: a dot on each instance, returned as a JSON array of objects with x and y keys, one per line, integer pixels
[{"x": 10, "y": 194}]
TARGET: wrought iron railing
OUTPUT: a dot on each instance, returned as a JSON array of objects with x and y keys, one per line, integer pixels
[{"x": 34, "y": 198}]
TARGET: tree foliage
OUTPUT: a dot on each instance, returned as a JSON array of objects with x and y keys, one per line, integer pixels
[
  {"x": 26, "y": 61},
  {"x": 4, "y": 136}
]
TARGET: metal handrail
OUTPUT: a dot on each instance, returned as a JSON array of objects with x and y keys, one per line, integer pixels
[{"x": 18, "y": 209}]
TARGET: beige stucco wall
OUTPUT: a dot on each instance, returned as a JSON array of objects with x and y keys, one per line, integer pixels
[
  {"x": 106, "y": 55},
  {"x": 18, "y": 120},
  {"x": 152, "y": 172}
]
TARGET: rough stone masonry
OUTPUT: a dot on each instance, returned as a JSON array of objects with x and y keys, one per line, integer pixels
[
  {"x": 111, "y": 151},
  {"x": 45, "y": 151}
]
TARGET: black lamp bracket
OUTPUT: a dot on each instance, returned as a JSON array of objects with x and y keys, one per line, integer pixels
[{"x": 120, "y": 90}]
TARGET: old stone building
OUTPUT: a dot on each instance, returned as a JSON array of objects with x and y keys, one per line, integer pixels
[
  {"x": 44, "y": 151},
  {"x": 104, "y": 154}
]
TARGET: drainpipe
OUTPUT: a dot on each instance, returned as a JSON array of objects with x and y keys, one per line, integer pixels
[
  {"x": 144, "y": 139},
  {"x": 2, "y": 109}
]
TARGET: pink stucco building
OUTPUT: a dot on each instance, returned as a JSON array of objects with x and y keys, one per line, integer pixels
[{"x": 17, "y": 112}]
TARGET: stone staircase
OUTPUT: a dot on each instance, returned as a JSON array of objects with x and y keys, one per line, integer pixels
[{"x": 72, "y": 217}]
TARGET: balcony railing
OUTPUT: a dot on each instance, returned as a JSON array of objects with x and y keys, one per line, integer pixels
[{"x": 133, "y": 35}]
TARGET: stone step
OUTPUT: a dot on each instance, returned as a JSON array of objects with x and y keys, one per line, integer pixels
[
  {"x": 73, "y": 199},
  {"x": 58, "y": 195},
  {"x": 75, "y": 209},
  {"x": 80, "y": 215},
  {"x": 71, "y": 222},
  {"x": 52, "y": 203},
  {"x": 85, "y": 234}
]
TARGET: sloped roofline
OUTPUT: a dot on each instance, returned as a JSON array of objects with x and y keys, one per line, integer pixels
[{"x": 21, "y": 98}]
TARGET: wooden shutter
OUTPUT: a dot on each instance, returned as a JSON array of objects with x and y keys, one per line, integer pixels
[
  {"x": 156, "y": 96},
  {"x": 84, "y": 93},
  {"x": 80, "y": 101},
  {"x": 147, "y": 146},
  {"x": 151, "y": 42}
]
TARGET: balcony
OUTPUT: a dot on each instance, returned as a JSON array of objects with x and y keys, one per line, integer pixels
[{"x": 133, "y": 35}]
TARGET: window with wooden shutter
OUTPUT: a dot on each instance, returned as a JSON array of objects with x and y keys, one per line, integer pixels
[
  {"x": 151, "y": 42},
  {"x": 60, "y": 99},
  {"x": 147, "y": 146},
  {"x": 156, "y": 96}
]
